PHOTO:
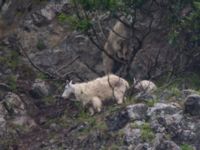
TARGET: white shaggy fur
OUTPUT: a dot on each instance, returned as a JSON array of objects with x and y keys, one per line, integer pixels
[
  {"x": 96, "y": 91},
  {"x": 146, "y": 86}
]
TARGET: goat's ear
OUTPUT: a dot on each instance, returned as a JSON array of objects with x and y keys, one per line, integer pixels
[
  {"x": 134, "y": 81},
  {"x": 70, "y": 83},
  {"x": 67, "y": 81}
]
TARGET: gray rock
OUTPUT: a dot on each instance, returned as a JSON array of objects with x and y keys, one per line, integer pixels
[
  {"x": 117, "y": 120},
  {"x": 145, "y": 96},
  {"x": 161, "y": 109},
  {"x": 164, "y": 95},
  {"x": 23, "y": 121},
  {"x": 167, "y": 145},
  {"x": 137, "y": 111},
  {"x": 186, "y": 92},
  {"x": 3, "y": 113},
  {"x": 5, "y": 6},
  {"x": 14, "y": 105},
  {"x": 192, "y": 105},
  {"x": 132, "y": 136},
  {"x": 169, "y": 123},
  {"x": 173, "y": 119},
  {"x": 163, "y": 115},
  {"x": 144, "y": 146},
  {"x": 160, "y": 143},
  {"x": 40, "y": 89},
  {"x": 48, "y": 13}
]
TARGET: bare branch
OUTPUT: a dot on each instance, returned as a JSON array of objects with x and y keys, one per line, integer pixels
[
  {"x": 32, "y": 63},
  {"x": 67, "y": 65}
]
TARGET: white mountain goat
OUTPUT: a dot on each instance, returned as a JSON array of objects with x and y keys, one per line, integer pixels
[
  {"x": 145, "y": 86},
  {"x": 98, "y": 90}
]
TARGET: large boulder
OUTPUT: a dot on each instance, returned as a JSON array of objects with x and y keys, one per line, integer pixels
[
  {"x": 160, "y": 143},
  {"x": 14, "y": 116},
  {"x": 162, "y": 114},
  {"x": 117, "y": 121}
]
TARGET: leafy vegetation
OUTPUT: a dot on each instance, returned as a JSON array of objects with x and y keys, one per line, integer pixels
[
  {"x": 10, "y": 60},
  {"x": 49, "y": 100},
  {"x": 40, "y": 44},
  {"x": 147, "y": 133},
  {"x": 74, "y": 22},
  {"x": 12, "y": 82},
  {"x": 186, "y": 147},
  {"x": 151, "y": 103}
]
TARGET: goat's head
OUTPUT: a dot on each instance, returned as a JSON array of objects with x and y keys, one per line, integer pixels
[{"x": 69, "y": 89}]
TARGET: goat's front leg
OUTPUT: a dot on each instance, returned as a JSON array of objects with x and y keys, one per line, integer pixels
[
  {"x": 97, "y": 104},
  {"x": 91, "y": 111}
]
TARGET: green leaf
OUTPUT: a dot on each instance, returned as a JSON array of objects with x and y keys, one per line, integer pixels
[{"x": 196, "y": 5}]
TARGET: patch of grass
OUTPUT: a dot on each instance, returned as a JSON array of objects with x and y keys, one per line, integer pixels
[
  {"x": 7, "y": 142},
  {"x": 12, "y": 82},
  {"x": 18, "y": 128},
  {"x": 27, "y": 72},
  {"x": 151, "y": 103},
  {"x": 129, "y": 100},
  {"x": 134, "y": 125},
  {"x": 61, "y": 121},
  {"x": 147, "y": 133},
  {"x": 186, "y": 147},
  {"x": 63, "y": 18},
  {"x": 42, "y": 76},
  {"x": 175, "y": 92},
  {"x": 49, "y": 100},
  {"x": 74, "y": 22},
  {"x": 10, "y": 60},
  {"x": 114, "y": 147},
  {"x": 41, "y": 45},
  {"x": 95, "y": 122}
]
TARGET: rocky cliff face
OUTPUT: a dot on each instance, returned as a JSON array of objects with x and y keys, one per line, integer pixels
[{"x": 32, "y": 115}]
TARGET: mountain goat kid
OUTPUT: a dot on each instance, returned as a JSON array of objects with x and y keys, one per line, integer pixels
[
  {"x": 98, "y": 90},
  {"x": 145, "y": 86}
]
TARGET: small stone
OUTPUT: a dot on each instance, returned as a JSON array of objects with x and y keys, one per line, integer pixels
[
  {"x": 14, "y": 104},
  {"x": 137, "y": 111},
  {"x": 192, "y": 105},
  {"x": 24, "y": 121},
  {"x": 187, "y": 92},
  {"x": 40, "y": 89}
]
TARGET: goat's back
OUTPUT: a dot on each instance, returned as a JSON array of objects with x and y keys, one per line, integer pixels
[{"x": 103, "y": 87}]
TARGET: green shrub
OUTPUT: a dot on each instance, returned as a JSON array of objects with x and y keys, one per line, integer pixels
[
  {"x": 12, "y": 82},
  {"x": 146, "y": 132},
  {"x": 186, "y": 147},
  {"x": 41, "y": 45}
]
